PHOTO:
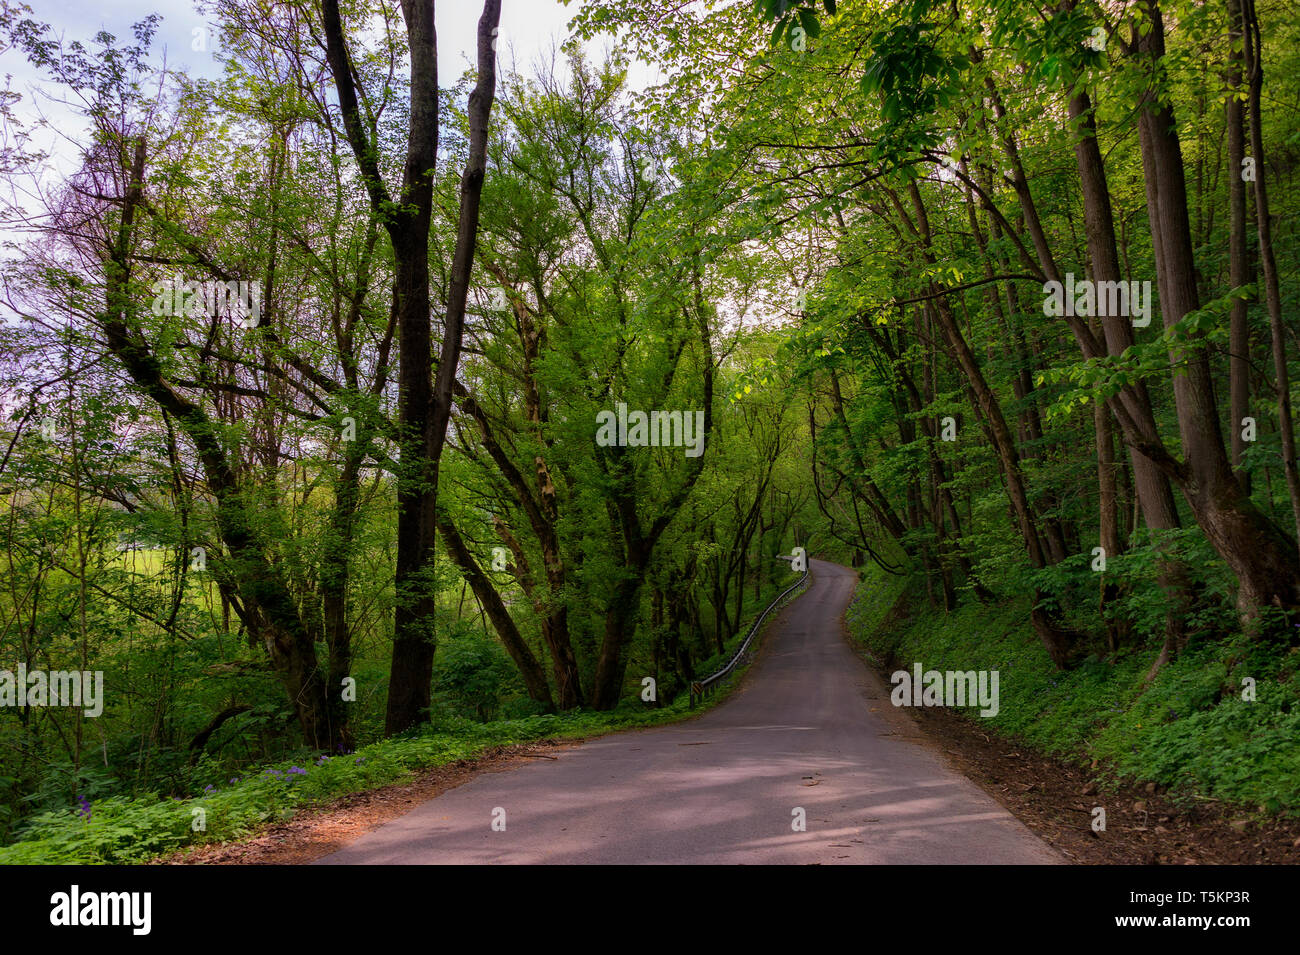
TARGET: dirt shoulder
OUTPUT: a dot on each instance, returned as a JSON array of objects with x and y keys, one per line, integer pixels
[
  {"x": 320, "y": 830},
  {"x": 1055, "y": 798}
]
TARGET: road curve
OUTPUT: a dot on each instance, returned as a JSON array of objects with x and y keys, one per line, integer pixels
[{"x": 811, "y": 727}]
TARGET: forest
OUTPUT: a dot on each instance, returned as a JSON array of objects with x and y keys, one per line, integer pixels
[{"x": 351, "y": 397}]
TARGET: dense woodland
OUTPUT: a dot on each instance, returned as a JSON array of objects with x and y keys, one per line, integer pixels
[{"x": 367, "y": 494}]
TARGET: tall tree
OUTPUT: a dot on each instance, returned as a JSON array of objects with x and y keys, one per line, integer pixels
[{"x": 424, "y": 403}]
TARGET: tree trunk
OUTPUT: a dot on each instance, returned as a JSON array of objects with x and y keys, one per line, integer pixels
[
  {"x": 424, "y": 407},
  {"x": 1154, "y": 492},
  {"x": 1238, "y": 266},
  {"x": 1263, "y": 558},
  {"x": 494, "y": 607},
  {"x": 1268, "y": 263},
  {"x": 1109, "y": 519},
  {"x": 335, "y": 564}
]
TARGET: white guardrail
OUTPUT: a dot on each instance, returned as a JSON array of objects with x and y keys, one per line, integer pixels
[{"x": 700, "y": 687}]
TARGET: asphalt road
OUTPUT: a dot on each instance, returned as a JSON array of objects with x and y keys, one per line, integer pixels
[{"x": 811, "y": 728}]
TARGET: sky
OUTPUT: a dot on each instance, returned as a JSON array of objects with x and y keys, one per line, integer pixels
[
  {"x": 529, "y": 29},
  {"x": 528, "y": 25}
]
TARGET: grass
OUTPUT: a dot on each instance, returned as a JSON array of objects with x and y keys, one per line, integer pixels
[{"x": 1190, "y": 729}]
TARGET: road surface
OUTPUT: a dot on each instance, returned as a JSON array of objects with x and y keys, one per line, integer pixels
[{"x": 810, "y": 728}]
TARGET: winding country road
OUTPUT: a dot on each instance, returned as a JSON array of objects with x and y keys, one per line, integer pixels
[{"x": 811, "y": 727}]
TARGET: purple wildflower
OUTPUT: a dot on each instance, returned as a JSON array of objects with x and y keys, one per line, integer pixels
[{"x": 84, "y": 804}]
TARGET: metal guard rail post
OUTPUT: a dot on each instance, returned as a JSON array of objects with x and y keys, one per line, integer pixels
[{"x": 700, "y": 687}]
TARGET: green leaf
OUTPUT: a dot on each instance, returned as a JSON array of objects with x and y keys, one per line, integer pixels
[{"x": 810, "y": 24}]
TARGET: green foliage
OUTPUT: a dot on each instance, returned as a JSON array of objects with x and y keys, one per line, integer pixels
[
  {"x": 1189, "y": 729},
  {"x": 474, "y": 672}
]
